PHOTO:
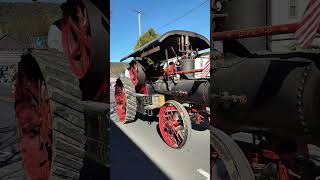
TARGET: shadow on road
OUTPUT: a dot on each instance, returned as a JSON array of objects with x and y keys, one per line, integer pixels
[
  {"x": 203, "y": 126},
  {"x": 128, "y": 161},
  {"x": 93, "y": 171}
]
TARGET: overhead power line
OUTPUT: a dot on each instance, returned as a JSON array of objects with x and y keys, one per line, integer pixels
[
  {"x": 176, "y": 19},
  {"x": 183, "y": 15}
]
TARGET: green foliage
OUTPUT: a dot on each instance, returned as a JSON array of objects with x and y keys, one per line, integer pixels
[
  {"x": 146, "y": 37},
  {"x": 118, "y": 67}
]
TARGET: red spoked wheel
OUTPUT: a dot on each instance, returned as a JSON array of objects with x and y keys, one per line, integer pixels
[
  {"x": 50, "y": 118},
  {"x": 227, "y": 159},
  {"x": 126, "y": 103},
  {"x": 77, "y": 40},
  {"x": 138, "y": 77},
  {"x": 121, "y": 101},
  {"x": 134, "y": 73},
  {"x": 174, "y": 124},
  {"x": 34, "y": 127}
]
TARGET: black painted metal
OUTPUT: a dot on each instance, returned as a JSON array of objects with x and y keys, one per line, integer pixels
[
  {"x": 187, "y": 64},
  {"x": 275, "y": 97},
  {"x": 185, "y": 91}
]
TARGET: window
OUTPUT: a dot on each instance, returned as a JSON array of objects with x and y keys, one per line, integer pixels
[{"x": 293, "y": 8}]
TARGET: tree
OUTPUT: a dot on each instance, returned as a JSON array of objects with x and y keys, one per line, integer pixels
[{"x": 146, "y": 37}]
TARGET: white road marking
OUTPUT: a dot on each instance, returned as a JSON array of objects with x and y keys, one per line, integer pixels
[{"x": 204, "y": 173}]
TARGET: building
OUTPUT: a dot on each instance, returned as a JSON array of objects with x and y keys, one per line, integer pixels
[
  {"x": 283, "y": 12},
  {"x": 249, "y": 13},
  {"x": 200, "y": 63},
  {"x": 10, "y": 55}
]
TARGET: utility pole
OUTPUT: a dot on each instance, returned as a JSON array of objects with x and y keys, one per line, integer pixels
[{"x": 139, "y": 20}]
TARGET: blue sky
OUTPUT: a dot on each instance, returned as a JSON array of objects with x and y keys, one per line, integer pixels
[
  {"x": 124, "y": 22},
  {"x": 51, "y": 1}
]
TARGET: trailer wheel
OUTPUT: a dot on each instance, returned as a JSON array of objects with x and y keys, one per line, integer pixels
[
  {"x": 125, "y": 99},
  {"x": 231, "y": 162},
  {"x": 174, "y": 124},
  {"x": 49, "y": 115}
]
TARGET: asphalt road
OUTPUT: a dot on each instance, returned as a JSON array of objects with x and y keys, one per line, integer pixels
[{"x": 138, "y": 152}]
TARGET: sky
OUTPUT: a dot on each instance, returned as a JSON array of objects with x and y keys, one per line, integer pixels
[
  {"x": 157, "y": 13},
  {"x": 50, "y": 1}
]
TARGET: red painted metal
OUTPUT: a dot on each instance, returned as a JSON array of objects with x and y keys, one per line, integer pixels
[
  {"x": 189, "y": 71},
  {"x": 143, "y": 89},
  {"x": 134, "y": 76},
  {"x": 77, "y": 42},
  {"x": 256, "y": 32},
  {"x": 102, "y": 93},
  {"x": 282, "y": 170},
  {"x": 134, "y": 73},
  {"x": 168, "y": 124},
  {"x": 194, "y": 112},
  {"x": 121, "y": 102},
  {"x": 34, "y": 127}
]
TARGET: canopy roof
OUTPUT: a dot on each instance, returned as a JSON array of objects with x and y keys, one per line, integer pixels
[{"x": 155, "y": 49}]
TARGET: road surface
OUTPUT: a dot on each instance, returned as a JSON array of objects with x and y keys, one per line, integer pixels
[
  {"x": 9, "y": 151},
  {"x": 138, "y": 152}
]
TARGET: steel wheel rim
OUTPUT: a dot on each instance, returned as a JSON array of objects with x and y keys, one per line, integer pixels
[
  {"x": 172, "y": 126},
  {"x": 77, "y": 42},
  {"x": 34, "y": 127},
  {"x": 121, "y": 101}
]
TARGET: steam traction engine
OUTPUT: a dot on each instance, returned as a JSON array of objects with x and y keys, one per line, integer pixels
[
  {"x": 162, "y": 84},
  {"x": 61, "y": 96}
]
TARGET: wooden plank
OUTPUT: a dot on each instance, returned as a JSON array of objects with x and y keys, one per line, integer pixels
[{"x": 151, "y": 51}]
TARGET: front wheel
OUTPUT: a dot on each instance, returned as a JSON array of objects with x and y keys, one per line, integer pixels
[{"x": 174, "y": 124}]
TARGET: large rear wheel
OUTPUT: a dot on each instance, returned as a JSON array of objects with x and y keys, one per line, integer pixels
[
  {"x": 125, "y": 100},
  {"x": 49, "y": 115}
]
